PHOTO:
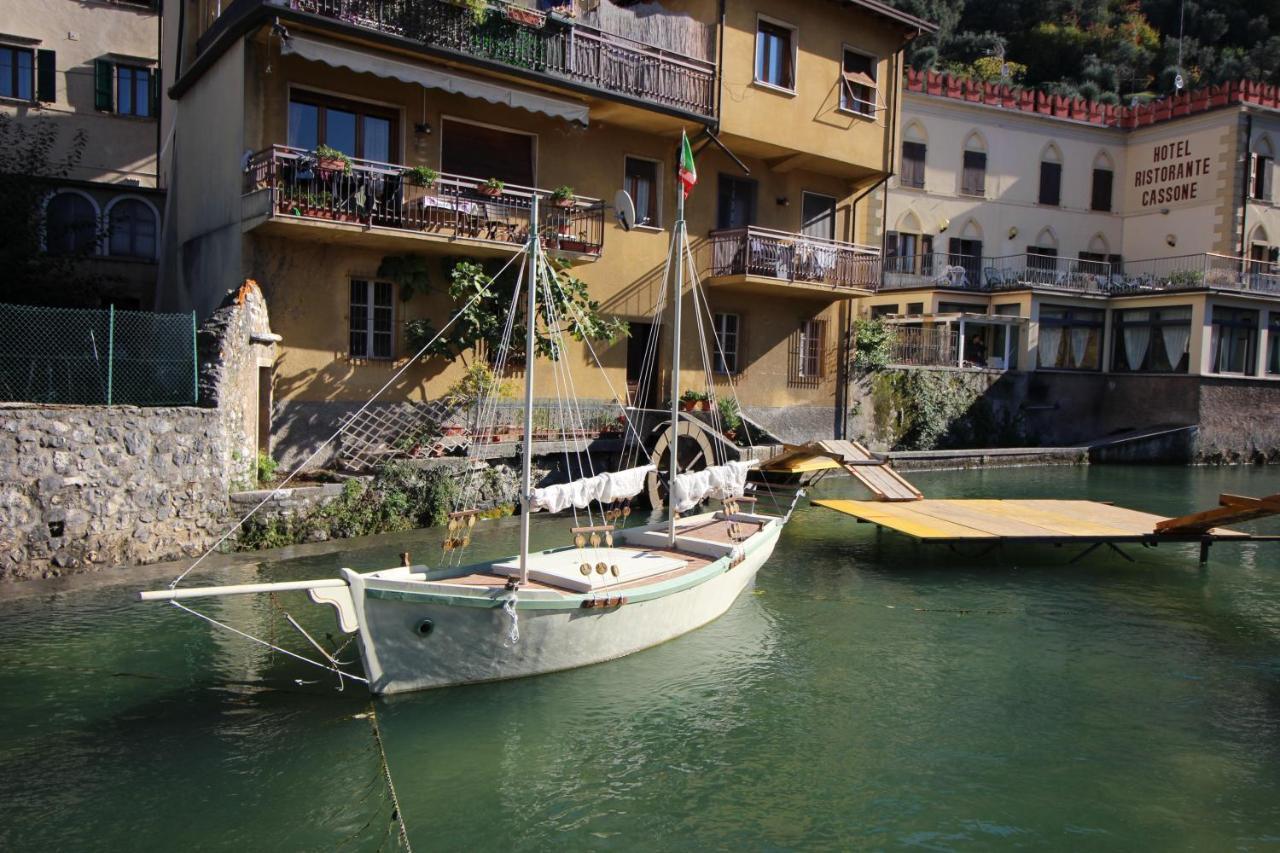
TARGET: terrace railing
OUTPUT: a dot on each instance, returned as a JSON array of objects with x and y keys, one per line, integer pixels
[
  {"x": 383, "y": 195},
  {"x": 533, "y": 42},
  {"x": 1187, "y": 272},
  {"x": 925, "y": 346},
  {"x": 986, "y": 273},
  {"x": 794, "y": 258}
]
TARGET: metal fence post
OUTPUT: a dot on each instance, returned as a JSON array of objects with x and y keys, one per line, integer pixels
[
  {"x": 195, "y": 363},
  {"x": 111, "y": 349}
]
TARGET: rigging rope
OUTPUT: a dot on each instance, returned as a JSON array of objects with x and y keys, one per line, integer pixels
[{"x": 398, "y": 814}]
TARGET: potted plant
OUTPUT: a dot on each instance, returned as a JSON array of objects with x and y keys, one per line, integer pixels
[
  {"x": 492, "y": 188},
  {"x": 693, "y": 401},
  {"x": 421, "y": 176},
  {"x": 330, "y": 161},
  {"x": 562, "y": 196},
  {"x": 522, "y": 15}
]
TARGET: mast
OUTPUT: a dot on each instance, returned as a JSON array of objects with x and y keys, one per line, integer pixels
[
  {"x": 673, "y": 466},
  {"x": 526, "y": 456}
]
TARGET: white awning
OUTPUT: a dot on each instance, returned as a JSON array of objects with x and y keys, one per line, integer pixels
[{"x": 433, "y": 78}]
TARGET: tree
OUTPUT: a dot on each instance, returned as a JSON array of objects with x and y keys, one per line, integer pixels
[
  {"x": 30, "y": 167},
  {"x": 487, "y": 303}
]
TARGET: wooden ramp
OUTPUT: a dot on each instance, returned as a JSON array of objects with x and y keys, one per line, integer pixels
[
  {"x": 1231, "y": 509},
  {"x": 877, "y": 475},
  {"x": 1055, "y": 522}
]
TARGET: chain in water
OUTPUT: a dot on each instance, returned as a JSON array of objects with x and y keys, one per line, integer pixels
[{"x": 398, "y": 814}]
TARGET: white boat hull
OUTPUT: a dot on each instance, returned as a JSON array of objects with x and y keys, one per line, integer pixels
[{"x": 468, "y": 644}]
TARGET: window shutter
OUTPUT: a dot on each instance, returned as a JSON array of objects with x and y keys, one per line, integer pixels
[
  {"x": 154, "y": 88},
  {"x": 103, "y": 72},
  {"x": 46, "y": 76}
]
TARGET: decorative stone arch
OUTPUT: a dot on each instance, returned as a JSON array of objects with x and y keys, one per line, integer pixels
[
  {"x": 106, "y": 220},
  {"x": 1099, "y": 245},
  {"x": 1259, "y": 235},
  {"x": 1047, "y": 239},
  {"x": 975, "y": 141},
  {"x": 1051, "y": 153},
  {"x": 915, "y": 132},
  {"x": 1102, "y": 160},
  {"x": 44, "y": 213},
  {"x": 972, "y": 230},
  {"x": 909, "y": 222},
  {"x": 1263, "y": 146}
]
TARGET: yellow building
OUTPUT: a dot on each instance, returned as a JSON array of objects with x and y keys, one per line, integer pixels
[
  {"x": 92, "y": 69},
  {"x": 792, "y": 106}
]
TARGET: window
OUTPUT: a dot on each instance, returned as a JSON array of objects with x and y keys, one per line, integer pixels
[
  {"x": 967, "y": 255},
  {"x": 1234, "y": 340},
  {"x": 641, "y": 181},
  {"x": 909, "y": 253},
  {"x": 1100, "y": 199},
  {"x": 71, "y": 225},
  {"x": 479, "y": 151},
  {"x": 1260, "y": 175},
  {"x": 858, "y": 83},
  {"x": 1273, "y": 344},
  {"x": 131, "y": 230},
  {"x": 1050, "y": 183},
  {"x": 371, "y": 319},
  {"x": 728, "y": 335},
  {"x": 355, "y": 129},
  {"x": 735, "y": 202},
  {"x": 973, "y": 180},
  {"x": 915, "y": 309},
  {"x": 913, "y": 164},
  {"x": 124, "y": 89},
  {"x": 774, "y": 55},
  {"x": 818, "y": 216},
  {"x": 1070, "y": 338},
  {"x": 880, "y": 311},
  {"x": 1042, "y": 264},
  {"x": 17, "y": 73},
  {"x": 807, "y": 355},
  {"x": 1151, "y": 340}
]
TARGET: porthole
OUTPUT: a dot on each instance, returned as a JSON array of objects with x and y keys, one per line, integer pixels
[{"x": 425, "y": 627}]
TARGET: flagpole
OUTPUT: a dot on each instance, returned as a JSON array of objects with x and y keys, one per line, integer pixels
[{"x": 686, "y": 176}]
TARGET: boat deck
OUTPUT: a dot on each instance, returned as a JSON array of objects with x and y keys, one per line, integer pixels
[{"x": 701, "y": 528}]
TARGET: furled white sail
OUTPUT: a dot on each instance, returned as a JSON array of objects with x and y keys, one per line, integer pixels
[
  {"x": 606, "y": 488},
  {"x": 718, "y": 481}
]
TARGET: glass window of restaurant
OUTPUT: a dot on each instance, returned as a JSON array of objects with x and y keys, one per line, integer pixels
[
  {"x": 1234, "y": 340},
  {"x": 1273, "y": 344},
  {"x": 1070, "y": 338},
  {"x": 1151, "y": 340}
]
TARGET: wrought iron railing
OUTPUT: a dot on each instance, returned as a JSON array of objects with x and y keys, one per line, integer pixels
[
  {"x": 794, "y": 258},
  {"x": 384, "y": 195},
  {"x": 970, "y": 272},
  {"x": 924, "y": 346},
  {"x": 535, "y": 43}
]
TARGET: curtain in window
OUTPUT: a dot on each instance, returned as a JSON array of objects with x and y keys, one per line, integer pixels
[
  {"x": 1176, "y": 339},
  {"x": 1136, "y": 339},
  {"x": 1079, "y": 345},
  {"x": 1050, "y": 341}
]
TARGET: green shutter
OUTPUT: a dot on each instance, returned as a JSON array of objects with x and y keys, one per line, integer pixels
[
  {"x": 103, "y": 88},
  {"x": 46, "y": 76}
]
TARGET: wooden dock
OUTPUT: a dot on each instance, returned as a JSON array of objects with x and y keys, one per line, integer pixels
[{"x": 1054, "y": 522}]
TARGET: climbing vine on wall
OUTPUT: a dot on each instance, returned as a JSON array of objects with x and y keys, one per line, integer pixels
[{"x": 930, "y": 409}]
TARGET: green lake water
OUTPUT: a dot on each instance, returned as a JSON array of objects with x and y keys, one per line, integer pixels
[{"x": 869, "y": 693}]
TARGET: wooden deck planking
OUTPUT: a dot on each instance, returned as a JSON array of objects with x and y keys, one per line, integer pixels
[{"x": 1012, "y": 520}]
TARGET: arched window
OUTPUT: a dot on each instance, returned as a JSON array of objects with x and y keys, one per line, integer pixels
[
  {"x": 1103, "y": 180},
  {"x": 973, "y": 177},
  {"x": 1262, "y": 160},
  {"x": 1051, "y": 175},
  {"x": 71, "y": 224},
  {"x": 1042, "y": 258},
  {"x": 131, "y": 226},
  {"x": 908, "y": 249},
  {"x": 914, "y": 147}
]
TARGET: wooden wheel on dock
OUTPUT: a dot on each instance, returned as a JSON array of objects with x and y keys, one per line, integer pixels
[{"x": 695, "y": 454}]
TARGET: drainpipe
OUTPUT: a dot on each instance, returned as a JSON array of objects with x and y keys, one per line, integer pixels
[
  {"x": 1244, "y": 191},
  {"x": 719, "y": 66}
]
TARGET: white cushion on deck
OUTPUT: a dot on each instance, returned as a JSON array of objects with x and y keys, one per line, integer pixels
[{"x": 561, "y": 568}]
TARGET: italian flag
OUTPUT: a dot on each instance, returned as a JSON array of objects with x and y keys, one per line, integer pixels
[{"x": 688, "y": 172}]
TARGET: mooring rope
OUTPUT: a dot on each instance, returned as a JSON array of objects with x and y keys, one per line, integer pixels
[{"x": 397, "y": 814}]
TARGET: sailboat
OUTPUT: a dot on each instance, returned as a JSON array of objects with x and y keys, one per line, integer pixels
[{"x": 613, "y": 591}]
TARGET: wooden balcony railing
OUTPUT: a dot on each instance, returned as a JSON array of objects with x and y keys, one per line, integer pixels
[
  {"x": 382, "y": 195},
  {"x": 535, "y": 43},
  {"x": 794, "y": 258}
]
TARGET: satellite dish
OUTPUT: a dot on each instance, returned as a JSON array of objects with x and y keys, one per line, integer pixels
[{"x": 624, "y": 208}]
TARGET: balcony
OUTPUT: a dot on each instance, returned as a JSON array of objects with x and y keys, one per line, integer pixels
[
  {"x": 1079, "y": 275},
  {"x": 291, "y": 187},
  {"x": 764, "y": 258},
  {"x": 537, "y": 45}
]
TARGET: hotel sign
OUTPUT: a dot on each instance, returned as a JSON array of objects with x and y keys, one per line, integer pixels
[{"x": 1172, "y": 172}]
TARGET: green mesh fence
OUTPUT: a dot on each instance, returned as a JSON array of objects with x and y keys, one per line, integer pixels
[{"x": 91, "y": 356}]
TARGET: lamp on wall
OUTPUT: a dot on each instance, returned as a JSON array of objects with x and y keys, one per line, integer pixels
[
  {"x": 1013, "y": 232},
  {"x": 1171, "y": 239},
  {"x": 944, "y": 225},
  {"x": 783, "y": 201},
  {"x": 422, "y": 128}
]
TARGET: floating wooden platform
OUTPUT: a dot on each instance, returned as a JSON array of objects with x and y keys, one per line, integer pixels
[{"x": 1057, "y": 522}]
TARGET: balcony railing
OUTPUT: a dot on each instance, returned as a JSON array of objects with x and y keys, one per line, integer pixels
[
  {"x": 973, "y": 273},
  {"x": 793, "y": 258},
  {"x": 924, "y": 346},
  {"x": 383, "y": 195},
  {"x": 532, "y": 42}
]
